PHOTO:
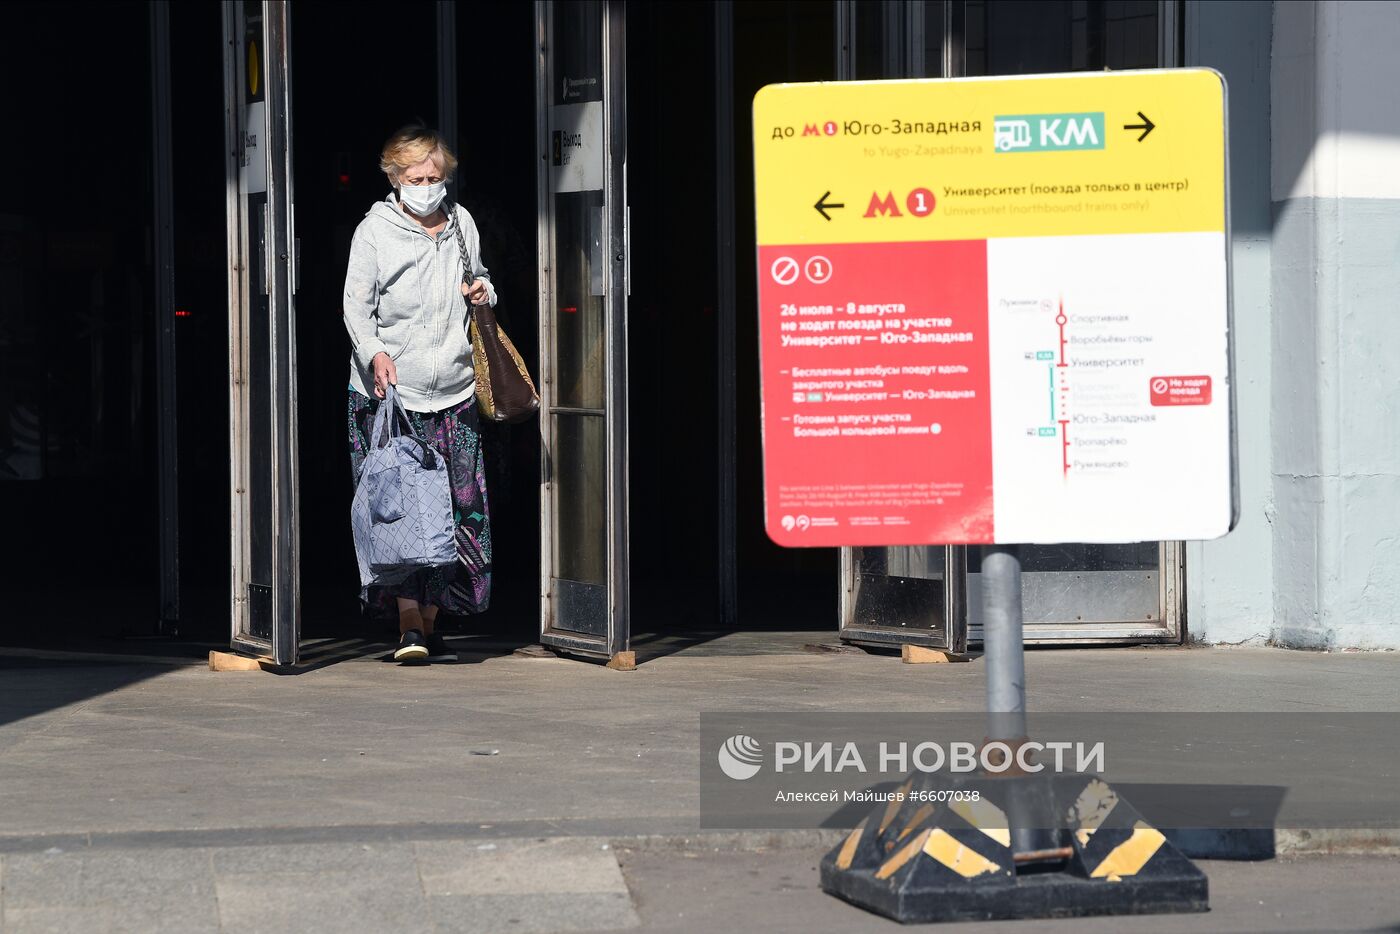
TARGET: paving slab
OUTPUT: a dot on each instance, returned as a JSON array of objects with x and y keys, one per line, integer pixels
[
  {"x": 535, "y": 885},
  {"x": 109, "y": 891}
]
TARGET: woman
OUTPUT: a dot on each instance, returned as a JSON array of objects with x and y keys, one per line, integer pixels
[{"x": 407, "y": 320}]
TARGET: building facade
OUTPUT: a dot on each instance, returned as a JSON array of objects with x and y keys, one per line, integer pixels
[{"x": 176, "y": 398}]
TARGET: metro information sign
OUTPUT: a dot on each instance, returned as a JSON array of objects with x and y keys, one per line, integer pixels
[{"x": 995, "y": 310}]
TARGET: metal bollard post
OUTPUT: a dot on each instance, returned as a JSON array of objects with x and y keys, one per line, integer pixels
[
  {"x": 1002, "y": 642},
  {"x": 1002, "y": 631}
]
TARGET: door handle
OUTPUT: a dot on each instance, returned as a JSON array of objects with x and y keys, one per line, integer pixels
[{"x": 296, "y": 248}]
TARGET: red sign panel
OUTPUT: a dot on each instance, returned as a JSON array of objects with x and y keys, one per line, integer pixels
[
  {"x": 1180, "y": 390},
  {"x": 876, "y": 408}
]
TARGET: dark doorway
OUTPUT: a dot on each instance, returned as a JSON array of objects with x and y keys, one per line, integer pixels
[
  {"x": 672, "y": 318},
  {"x": 792, "y": 588},
  {"x": 77, "y": 441},
  {"x": 77, "y": 389},
  {"x": 345, "y": 104}
]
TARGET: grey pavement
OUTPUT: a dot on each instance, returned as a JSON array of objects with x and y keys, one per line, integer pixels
[
  {"x": 492, "y": 794},
  {"x": 550, "y": 884},
  {"x": 700, "y": 892}
]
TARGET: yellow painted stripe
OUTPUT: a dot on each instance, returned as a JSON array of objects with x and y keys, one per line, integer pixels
[
  {"x": 892, "y": 808},
  {"x": 1094, "y": 804},
  {"x": 891, "y": 865},
  {"x": 1132, "y": 854},
  {"x": 986, "y": 817},
  {"x": 943, "y": 847},
  {"x": 848, "y": 849},
  {"x": 919, "y": 815}
]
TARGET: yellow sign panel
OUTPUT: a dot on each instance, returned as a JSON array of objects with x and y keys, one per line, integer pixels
[
  {"x": 995, "y": 310},
  {"x": 977, "y": 158}
]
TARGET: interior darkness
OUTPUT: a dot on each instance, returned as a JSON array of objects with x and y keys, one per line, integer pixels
[
  {"x": 77, "y": 412},
  {"x": 671, "y": 315},
  {"x": 78, "y": 442},
  {"x": 773, "y": 42}
]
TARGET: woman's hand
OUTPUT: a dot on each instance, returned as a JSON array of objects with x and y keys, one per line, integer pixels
[
  {"x": 385, "y": 373},
  {"x": 475, "y": 291}
]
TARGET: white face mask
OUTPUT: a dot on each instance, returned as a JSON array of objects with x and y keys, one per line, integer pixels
[{"x": 422, "y": 199}]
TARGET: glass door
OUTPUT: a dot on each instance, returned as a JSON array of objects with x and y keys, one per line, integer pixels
[
  {"x": 262, "y": 364},
  {"x": 581, "y": 101},
  {"x": 904, "y": 594},
  {"x": 1073, "y": 592}
]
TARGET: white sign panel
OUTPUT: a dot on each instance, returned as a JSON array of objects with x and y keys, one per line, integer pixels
[
  {"x": 576, "y": 146},
  {"x": 252, "y": 172}
]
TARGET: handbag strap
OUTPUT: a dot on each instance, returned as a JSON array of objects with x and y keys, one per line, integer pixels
[
  {"x": 387, "y": 420},
  {"x": 462, "y": 251},
  {"x": 461, "y": 244},
  {"x": 387, "y": 415}
]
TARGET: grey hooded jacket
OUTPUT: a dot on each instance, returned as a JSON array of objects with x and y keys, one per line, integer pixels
[{"x": 403, "y": 298}]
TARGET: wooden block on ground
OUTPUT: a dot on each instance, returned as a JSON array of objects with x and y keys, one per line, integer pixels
[
  {"x": 623, "y": 661},
  {"x": 230, "y": 661},
  {"x": 923, "y": 655}
]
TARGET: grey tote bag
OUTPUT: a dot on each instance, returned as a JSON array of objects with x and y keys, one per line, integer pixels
[{"x": 402, "y": 511}]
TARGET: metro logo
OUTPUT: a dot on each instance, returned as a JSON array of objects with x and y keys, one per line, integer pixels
[
  {"x": 1048, "y": 132},
  {"x": 885, "y": 205},
  {"x": 920, "y": 203}
]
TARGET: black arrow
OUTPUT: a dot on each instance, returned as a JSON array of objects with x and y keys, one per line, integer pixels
[
  {"x": 1146, "y": 126},
  {"x": 822, "y": 204}
]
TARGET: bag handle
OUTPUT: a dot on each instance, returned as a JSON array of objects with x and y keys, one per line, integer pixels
[{"x": 386, "y": 425}]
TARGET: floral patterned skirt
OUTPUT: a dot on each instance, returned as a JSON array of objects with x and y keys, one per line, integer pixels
[{"x": 464, "y": 587}]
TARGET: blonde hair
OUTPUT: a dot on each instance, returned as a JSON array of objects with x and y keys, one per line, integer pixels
[{"x": 410, "y": 146}]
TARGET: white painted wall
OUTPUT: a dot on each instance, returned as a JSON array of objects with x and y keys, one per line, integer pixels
[
  {"x": 1229, "y": 582},
  {"x": 1336, "y": 100},
  {"x": 1334, "y": 419}
]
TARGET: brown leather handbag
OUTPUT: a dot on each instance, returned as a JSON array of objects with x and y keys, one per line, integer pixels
[{"x": 504, "y": 390}]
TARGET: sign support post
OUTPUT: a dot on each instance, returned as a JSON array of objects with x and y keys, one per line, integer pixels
[
  {"x": 1005, "y": 653},
  {"x": 1030, "y": 844}
]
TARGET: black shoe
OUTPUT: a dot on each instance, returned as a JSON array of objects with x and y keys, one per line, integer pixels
[
  {"x": 439, "y": 650},
  {"x": 412, "y": 647}
]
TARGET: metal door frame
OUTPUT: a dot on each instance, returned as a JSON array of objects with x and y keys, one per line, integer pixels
[
  {"x": 1166, "y": 628},
  {"x": 902, "y": 33},
  {"x": 268, "y": 263},
  {"x": 616, "y": 256}
]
